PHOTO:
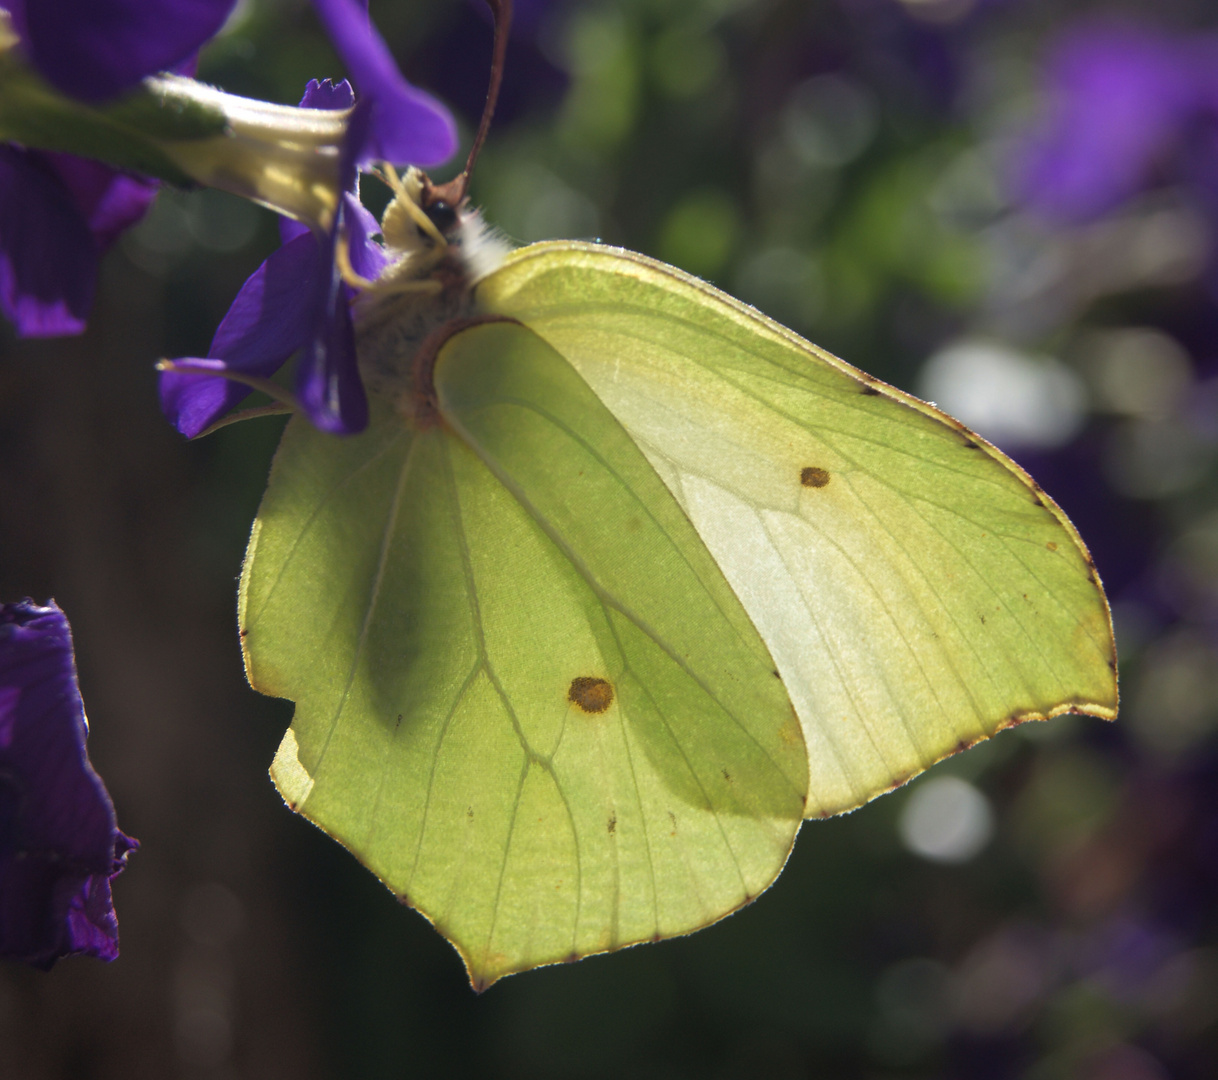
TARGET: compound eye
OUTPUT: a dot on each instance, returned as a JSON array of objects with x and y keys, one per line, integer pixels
[{"x": 442, "y": 215}]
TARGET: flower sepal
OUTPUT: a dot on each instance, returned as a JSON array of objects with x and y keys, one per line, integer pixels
[
  {"x": 129, "y": 133},
  {"x": 184, "y": 132}
]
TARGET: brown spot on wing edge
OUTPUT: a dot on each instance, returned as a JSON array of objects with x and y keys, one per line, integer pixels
[{"x": 813, "y": 476}]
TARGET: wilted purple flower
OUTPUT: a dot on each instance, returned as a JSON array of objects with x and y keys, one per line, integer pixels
[
  {"x": 1127, "y": 105},
  {"x": 298, "y": 299},
  {"x": 95, "y": 49},
  {"x": 59, "y": 843}
]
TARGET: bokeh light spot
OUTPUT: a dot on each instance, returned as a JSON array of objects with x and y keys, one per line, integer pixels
[
  {"x": 700, "y": 233},
  {"x": 946, "y": 820},
  {"x": 1011, "y": 398},
  {"x": 1138, "y": 371},
  {"x": 829, "y": 121}
]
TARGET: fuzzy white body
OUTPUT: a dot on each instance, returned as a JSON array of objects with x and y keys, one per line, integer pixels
[{"x": 428, "y": 284}]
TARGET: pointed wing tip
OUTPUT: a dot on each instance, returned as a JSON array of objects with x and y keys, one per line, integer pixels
[{"x": 481, "y": 977}]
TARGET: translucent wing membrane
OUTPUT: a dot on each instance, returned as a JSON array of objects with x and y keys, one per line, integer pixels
[
  {"x": 917, "y": 590},
  {"x": 527, "y": 697}
]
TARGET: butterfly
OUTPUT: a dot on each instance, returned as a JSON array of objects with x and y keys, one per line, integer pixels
[{"x": 624, "y": 582}]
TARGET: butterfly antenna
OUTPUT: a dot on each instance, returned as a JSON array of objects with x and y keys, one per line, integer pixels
[{"x": 453, "y": 192}]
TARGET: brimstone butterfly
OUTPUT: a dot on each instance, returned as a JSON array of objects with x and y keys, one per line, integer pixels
[{"x": 623, "y": 581}]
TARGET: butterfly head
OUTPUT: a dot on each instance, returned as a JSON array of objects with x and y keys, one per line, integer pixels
[
  {"x": 431, "y": 231},
  {"x": 439, "y": 249}
]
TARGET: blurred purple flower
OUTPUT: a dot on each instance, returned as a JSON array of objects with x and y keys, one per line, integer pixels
[
  {"x": 59, "y": 843},
  {"x": 394, "y": 121},
  {"x": 456, "y": 61},
  {"x": 95, "y": 49},
  {"x": 58, "y": 214},
  {"x": 298, "y": 299},
  {"x": 1127, "y": 104}
]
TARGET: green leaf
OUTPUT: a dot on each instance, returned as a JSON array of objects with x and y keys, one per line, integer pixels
[
  {"x": 917, "y": 590},
  {"x": 526, "y": 697}
]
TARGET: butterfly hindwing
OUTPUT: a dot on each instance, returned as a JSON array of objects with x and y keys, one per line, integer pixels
[{"x": 526, "y": 696}]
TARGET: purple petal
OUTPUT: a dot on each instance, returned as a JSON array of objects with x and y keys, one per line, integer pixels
[
  {"x": 95, "y": 49},
  {"x": 328, "y": 384},
  {"x": 92, "y": 925},
  {"x": 272, "y": 317},
  {"x": 1119, "y": 97},
  {"x": 48, "y": 256},
  {"x": 368, "y": 258},
  {"x": 406, "y": 126},
  {"x": 328, "y": 94},
  {"x": 318, "y": 95},
  {"x": 290, "y": 229},
  {"x": 59, "y": 845},
  {"x": 110, "y": 201}
]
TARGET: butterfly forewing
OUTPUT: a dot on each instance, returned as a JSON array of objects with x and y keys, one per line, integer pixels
[{"x": 916, "y": 589}]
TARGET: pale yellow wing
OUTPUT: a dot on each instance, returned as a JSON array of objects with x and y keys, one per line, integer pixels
[{"x": 917, "y": 590}]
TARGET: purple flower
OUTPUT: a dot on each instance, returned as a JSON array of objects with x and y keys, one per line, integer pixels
[
  {"x": 297, "y": 300},
  {"x": 402, "y": 125},
  {"x": 95, "y": 49},
  {"x": 58, "y": 214},
  {"x": 1127, "y": 104},
  {"x": 294, "y": 300},
  {"x": 59, "y": 844}
]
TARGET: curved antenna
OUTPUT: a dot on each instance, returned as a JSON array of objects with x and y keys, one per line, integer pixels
[{"x": 453, "y": 192}]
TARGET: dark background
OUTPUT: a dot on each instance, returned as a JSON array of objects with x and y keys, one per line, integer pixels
[{"x": 849, "y": 166}]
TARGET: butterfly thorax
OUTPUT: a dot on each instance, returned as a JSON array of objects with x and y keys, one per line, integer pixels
[{"x": 438, "y": 256}]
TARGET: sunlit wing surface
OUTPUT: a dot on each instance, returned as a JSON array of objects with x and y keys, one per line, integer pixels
[
  {"x": 527, "y": 698},
  {"x": 917, "y": 590}
]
